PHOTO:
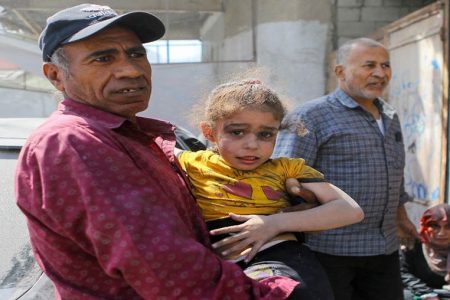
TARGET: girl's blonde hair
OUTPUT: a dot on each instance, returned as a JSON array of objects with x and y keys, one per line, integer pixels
[{"x": 232, "y": 97}]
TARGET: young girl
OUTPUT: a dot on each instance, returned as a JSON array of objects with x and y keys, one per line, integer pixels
[{"x": 242, "y": 120}]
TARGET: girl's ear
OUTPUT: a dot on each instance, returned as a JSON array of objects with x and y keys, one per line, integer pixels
[{"x": 207, "y": 131}]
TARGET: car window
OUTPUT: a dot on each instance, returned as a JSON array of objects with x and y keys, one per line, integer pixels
[{"x": 187, "y": 141}]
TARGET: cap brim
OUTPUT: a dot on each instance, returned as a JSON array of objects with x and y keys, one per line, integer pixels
[{"x": 146, "y": 26}]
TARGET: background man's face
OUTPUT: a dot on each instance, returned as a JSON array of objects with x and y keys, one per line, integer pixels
[{"x": 365, "y": 73}]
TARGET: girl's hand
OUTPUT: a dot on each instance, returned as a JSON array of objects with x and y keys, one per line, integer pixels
[{"x": 247, "y": 237}]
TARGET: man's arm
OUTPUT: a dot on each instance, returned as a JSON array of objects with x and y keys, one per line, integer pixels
[
  {"x": 407, "y": 231},
  {"x": 130, "y": 223}
]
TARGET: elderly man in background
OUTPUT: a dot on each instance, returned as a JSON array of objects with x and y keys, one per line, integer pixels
[{"x": 354, "y": 138}]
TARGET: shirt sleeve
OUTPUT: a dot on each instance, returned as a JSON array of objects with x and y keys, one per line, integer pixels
[
  {"x": 298, "y": 139},
  {"x": 100, "y": 219},
  {"x": 310, "y": 174},
  {"x": 296, "y": 168}
]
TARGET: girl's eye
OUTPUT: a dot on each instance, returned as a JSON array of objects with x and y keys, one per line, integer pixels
[
  {"x": 237, "y": 132},
  {"x": 266, "y": 134}
]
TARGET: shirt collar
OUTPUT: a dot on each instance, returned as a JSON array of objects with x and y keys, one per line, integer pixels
[
  {"x": 345, "y": 99},
  {"x": 112, "y": 121},
  {"x": 348, "y": 101},
  {"x": 87, "y": 111}
]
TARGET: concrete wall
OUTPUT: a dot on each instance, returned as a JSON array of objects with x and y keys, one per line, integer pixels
[
  {"x": 289, "y": 38},
  {"x": 292, "y": 38},
  {"x": 356, "y": 18},
  {"x": 228, "y": 36}
]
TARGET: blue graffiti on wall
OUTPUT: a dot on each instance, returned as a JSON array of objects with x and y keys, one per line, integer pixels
[
  {"x": 418, "y": 101},
  {"x": 420, "y": 191}
]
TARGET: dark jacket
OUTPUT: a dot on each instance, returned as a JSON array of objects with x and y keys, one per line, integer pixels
[{"x": 417, "y": 276}]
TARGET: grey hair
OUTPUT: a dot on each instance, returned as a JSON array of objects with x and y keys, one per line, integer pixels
[
  {"x": 344, "y": 50},
  {"x": 59, "y": 58}
]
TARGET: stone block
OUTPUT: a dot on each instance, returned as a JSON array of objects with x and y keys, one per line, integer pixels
[
  {"x": 353, "y": 29},
  {"x": 373, "y": 3},
  {"x": 380, "y": 13},
  {"x": 392, "y": 3},
  {"x": 350, "y": 3},
  {"x": 413, "y": 3},
  {"x": 406, "y": 10},
  {"x": 342, "y": 40},
  {"x": 348, "y": 14}
]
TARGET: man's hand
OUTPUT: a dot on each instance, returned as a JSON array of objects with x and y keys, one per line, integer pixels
[
  {"x": 407, "y": 232},
  {"x": 307, "y": 199},
  {"x": 295, "y": 188}
]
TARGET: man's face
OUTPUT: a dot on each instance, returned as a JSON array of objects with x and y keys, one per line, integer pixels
[
  {"x": 109, "y": 71},
  {"x": 366, "y": 72}
]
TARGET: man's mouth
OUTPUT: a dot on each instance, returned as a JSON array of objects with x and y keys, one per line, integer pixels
[
  {"x": 380, "y": 84},
  {"x": 129, "y": 90}
]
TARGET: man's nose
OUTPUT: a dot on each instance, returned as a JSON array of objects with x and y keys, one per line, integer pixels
[
  {"x": 128, "y": 68},
  {"x": 379, "y": 71}
]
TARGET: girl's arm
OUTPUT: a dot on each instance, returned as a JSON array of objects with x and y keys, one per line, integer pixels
[{"x": 338, "y": 209}]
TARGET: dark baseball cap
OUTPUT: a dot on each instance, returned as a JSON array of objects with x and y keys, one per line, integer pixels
[{"x": 84, "y": 20}]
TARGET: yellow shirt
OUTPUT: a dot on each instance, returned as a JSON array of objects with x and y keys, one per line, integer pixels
[{"x": 221, "y": 189}]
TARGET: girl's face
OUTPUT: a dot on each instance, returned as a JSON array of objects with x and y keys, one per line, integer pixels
[
  {"x": 246, "y": 139},
  {"x": 439, "y": 234}
]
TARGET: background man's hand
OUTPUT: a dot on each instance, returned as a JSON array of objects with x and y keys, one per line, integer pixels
[
  {"x": 300, "y": 198},
  {"x": 407, "y": 231}
]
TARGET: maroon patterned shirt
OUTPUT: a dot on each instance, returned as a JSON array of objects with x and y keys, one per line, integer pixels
[{"x": 110, "y": 216}]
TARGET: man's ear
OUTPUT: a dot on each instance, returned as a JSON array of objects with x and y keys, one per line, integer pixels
[
  {"x": 207, "y": 131},
  {"x": 339, "y": 71},
  {"x": 54, "y": 74}
]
